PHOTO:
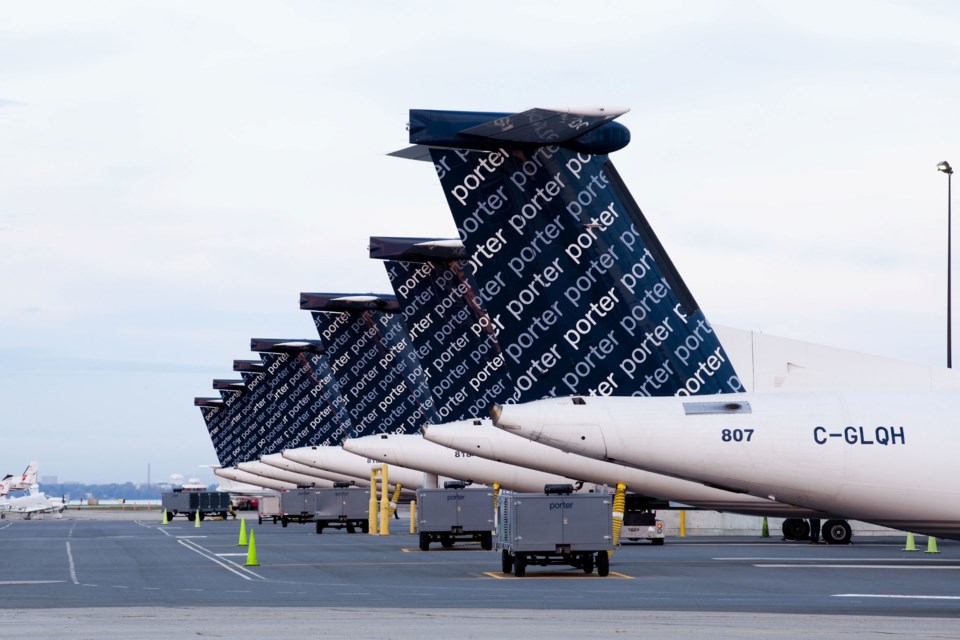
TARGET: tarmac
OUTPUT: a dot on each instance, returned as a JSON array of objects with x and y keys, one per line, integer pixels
[{"x": 121, "y": 574}]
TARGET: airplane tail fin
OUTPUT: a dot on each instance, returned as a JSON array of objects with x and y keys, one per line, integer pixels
[
  {"x": 586, "y": 298},
  {"x": 30, "y": 474}
]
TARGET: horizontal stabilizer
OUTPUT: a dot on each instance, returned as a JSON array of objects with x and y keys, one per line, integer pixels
[
  {"x": 532, "y": 126},
  {"x": 416, "y": 249},
  {"x": 339, "y": 302},
  {"x": 286, "y": 345},
  {"x": 249, "y": 365},
  {"x": 208, "y": 402},
  {"x": 230, "y": 385},
  {"x": 589, "y": 131}
]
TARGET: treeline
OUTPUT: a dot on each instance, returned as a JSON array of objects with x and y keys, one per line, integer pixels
[{"x": 115, "y": 491}]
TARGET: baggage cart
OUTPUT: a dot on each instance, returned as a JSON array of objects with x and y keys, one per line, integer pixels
[{"x": 455, "y": 514}]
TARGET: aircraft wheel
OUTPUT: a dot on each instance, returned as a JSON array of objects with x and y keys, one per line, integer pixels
[
  {"x": 795, "y": 529},
  {"x": 836, "y": 532},
  {"x": 519, "y": 565},
  {"x": 506, "y": 561},
  {"x": 424, "y": 542},
  {"x": 603, "y": 564}
]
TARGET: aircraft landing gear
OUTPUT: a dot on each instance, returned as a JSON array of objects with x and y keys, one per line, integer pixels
[
  {"x": 836, "y": 532},
  {"x": 795, "y": 529}
]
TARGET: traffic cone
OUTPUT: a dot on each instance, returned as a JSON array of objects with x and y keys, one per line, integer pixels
[
  {"x": 252, "y": 552},
  {"x": 765, "y": 530},
  {"x": 931, "y": 545},
  {"x": 911, "y": 543},
  {"x": 165, "y": 520},
  {"x": 242, "y": 542},
  {"x": 196, "y": 520}
]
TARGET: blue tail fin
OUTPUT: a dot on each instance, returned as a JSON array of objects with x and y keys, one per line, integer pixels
[{"x": 586, "y": 298}]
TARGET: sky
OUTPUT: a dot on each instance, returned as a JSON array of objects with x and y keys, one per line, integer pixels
[{"x": 173, "y": 174}]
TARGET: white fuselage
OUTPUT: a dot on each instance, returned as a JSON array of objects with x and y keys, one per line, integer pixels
[
  {"x": 482, "y": 439},
  {"x": 300, "y": 479},
  {"x": 883, "y": 457},
  {"x": 412, "y": 451},
  {"x": 236, "y": 475},
  {"x": 278, "y": 461},
  {"x": 343, "y": 462}
]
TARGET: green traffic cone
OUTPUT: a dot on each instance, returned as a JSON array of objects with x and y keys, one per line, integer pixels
[
  {"x": 196, "y": 520},
  {"x": 252, "y": 552},
  {"x": 931, "y": 545},
  {"x": 765, "y": 530},
  {"x": 242, "y": 542},
  {"x": 165, "y": 520},
  {"x": 911, "y": 543}
]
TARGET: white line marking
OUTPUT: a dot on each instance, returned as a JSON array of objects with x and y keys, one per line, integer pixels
[
  {"x": 232, "y": 567},
  {"x": 8, "y": 582},
  {"x": 240, "y": 555},
  {"x": 877, "y": 595},
  {"x": 73, "y": 567},
  {"x": 854, "y": 566}
]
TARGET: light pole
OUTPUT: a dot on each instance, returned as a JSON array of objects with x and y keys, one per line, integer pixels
[{"x": 947, "y": 169}]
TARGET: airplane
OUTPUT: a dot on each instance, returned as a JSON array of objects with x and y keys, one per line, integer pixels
[
  {"x": 26, "y": 480},
  {"x": 885, "y": 457},
  {"x": 34, "y": 503},
  {"x": 341, "y": 461},
  {"x": 515, "y": 184}
]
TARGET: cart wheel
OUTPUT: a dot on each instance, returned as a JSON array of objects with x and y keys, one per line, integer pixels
[
  {"x": 486, "y": 541},
  {"x": 351, "y": 528},
  {"x": 202, "y": 515},
  {"x": 506, "y": 561},
  {"x": 603, "y": 564},
  {"x": 259, "y": 519},
  {"x": 365, "y": 526},
  {"x": 424, "y": 542},
  {"x": 587, "y": 563},
  {"x": 657, "y": 541},
  {"x": 446, "y": 542},
  {"x": 519, "y": 565},
  {"x": 319, "y": 527},
  {"x": 284, "y": 521}
]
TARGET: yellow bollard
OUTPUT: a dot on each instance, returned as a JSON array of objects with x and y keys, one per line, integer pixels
[
  {"x": 911, "y": 543},
  {"x": 242, "y": 542},
  {"x": 765, "y": 529},
  {"x": 384, "y": 502},
  {"x": 413, "y": 517},
  {"x": 196, "y": 519},
  {"x": 252, "y": 552},
  {"x": 931, "y": 545},
  {"x": 372, "y": 529},
  {"x": 165, "y": 520},
  {"x": 395, "y": 499},
  {"x": 619, "y": 504},
  {"x": 683, "y": 523}
]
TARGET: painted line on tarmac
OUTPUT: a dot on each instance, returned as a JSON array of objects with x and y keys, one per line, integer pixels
[
  {"x": 556, "y": 576},
  {"x": 232, "y": 567},
  {"x": 19, "y": 582},
  {"x": 73, "y": 567},
  {"x": 893, "y": 596},
  {"x": 856, "y": 566},
  {"x": 828, "y": 559}
]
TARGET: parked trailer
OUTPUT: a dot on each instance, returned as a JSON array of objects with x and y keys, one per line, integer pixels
[
  {"x": 454, "y": 514},
  {"x": 298, "y": 505},
  {"x": 341, "y": 507},
  {"x": 189, "y": 503},
  {"x": 555, "y": 527},
  {"x": 269, "y": 508}
]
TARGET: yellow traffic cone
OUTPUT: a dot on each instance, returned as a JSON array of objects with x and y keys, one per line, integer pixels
[
  {"x": 196, "y": 520},
  {"x": 165, "y": 520},
  {"x": 765, "y": 529},
  {"x": 931, "y": 545},
  {"x": 242, "y": 542},
  {"x": 911, "y": 543},
  {"x": 252, "y": 551}
]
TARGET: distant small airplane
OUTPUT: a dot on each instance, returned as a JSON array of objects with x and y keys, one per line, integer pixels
[{"x": 34, "y": 503}]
